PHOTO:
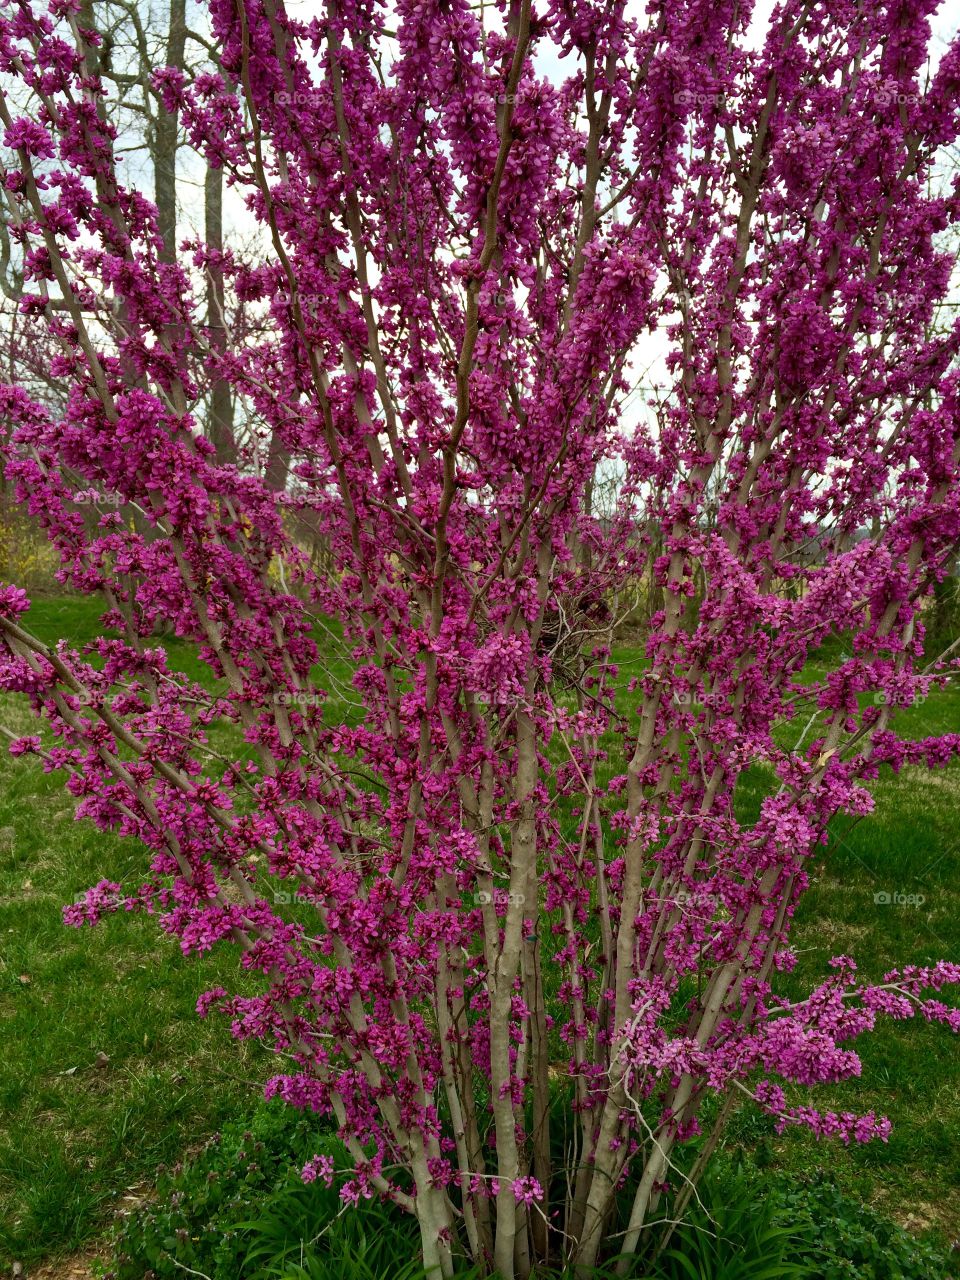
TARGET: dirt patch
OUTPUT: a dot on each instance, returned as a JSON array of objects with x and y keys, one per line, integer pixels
[
  {"x": 920, "y": 1216},
  {"x": 831, "y": 930},
  {"x": 78, "y": 1267}
]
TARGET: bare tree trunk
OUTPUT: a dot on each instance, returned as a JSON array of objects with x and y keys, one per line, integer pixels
[
  {"x": 220, "y": 422},
  {"x": 278, "y": 464},
  {"x": 165, "y": 150}
]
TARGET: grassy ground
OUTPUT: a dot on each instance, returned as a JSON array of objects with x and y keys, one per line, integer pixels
[
  {"x": 105, "y": 1070},
  {"x": 910, "y": 846},
  {"x": 76, "y": 1137}
]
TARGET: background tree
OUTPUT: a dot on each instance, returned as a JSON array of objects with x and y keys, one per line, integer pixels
[
  {"x": 131, "y": 42},
  {"x": 495, "y": 864}
]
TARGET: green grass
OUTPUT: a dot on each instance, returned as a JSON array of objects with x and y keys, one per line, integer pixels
[
  {"x": 75, "y": 1138},
  {"x": 910, "y": 844},
  {"x": 74, "y": 1133}
]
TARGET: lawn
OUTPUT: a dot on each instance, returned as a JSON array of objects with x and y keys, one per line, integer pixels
[
  {"x": 909, "y": 846},
  {"x": 105, "y": 1071}
]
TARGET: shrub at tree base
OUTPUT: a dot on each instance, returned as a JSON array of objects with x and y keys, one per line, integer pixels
[
  {"x": 474, "y": 223},
  {"x": 238, "y": 1208}
]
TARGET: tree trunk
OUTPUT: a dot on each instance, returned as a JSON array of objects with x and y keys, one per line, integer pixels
[
  {"x": 220, "y": 421},
  {"x": 165, "y": 150}
]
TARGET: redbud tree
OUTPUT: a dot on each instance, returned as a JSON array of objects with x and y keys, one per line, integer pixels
[{"x": 518, "y": 874}]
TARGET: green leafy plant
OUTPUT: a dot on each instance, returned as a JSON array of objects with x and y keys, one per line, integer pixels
[
  {"x": 733, "y": 1232},
  {"x": 238, "y": 1210},
  {"x": 843, "y": 1239}
]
